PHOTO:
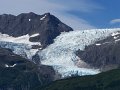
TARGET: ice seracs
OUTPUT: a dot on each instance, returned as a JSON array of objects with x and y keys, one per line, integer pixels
[
  {"x": 115, "y": 37},
  {"x": 61, "y": 54},
  {"x": 68, "y": 72},
  {"x": 21, "y": 49}
]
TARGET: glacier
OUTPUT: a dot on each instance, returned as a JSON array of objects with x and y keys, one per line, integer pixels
[
  {"x": 19, "y": 45},
  {"x": 21, "y": 49},
  {"x": 61, "y": 54}
]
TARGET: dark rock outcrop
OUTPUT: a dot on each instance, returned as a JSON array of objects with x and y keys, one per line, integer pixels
[
  {"x": 17, "y": 73},
  {"x": 47, "y": 25},
  {"x": 104, "y": 54}
]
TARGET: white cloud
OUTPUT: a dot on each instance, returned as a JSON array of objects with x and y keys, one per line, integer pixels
[
  {"x": 115, "y": 21},
  {"x": 59, "y": 8},
  {"x": 76, "y": 23},
  {"x": 79, "y": 5}
]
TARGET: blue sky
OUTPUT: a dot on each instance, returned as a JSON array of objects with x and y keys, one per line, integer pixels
[{"x": 79, "y": 14}]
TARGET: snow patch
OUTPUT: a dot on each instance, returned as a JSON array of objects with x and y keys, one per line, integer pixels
[
  {"x": 22, "y": 39},
  {"x": 34, "y": 35},
  {"x": 117, "y": 40},
  {"x": 6, "y": 65},
  {"x": 115, "y": 33},
  {"x": 43, "y": 17},
  {"x": 115, "y": 37},
  {"x": 98, "y": 44},
  {"x": 29, "y": 20}
]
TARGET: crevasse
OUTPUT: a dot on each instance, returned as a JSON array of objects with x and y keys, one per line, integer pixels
[{"x": 61, "y": 54}]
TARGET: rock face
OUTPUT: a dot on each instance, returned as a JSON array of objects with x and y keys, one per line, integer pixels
[
  {"x": 17, "y": 73},
  {"x": 104, "y": 54},
  {"x": 47, "y": 26}
]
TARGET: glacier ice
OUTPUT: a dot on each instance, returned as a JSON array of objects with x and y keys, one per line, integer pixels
[
  {"x": 19, "y": 45},
  {"x": 61, "y": 54},
  {"x": 24, "y": 50}
]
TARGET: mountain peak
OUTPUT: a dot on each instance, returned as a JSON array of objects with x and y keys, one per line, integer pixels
[
  {"x": 48, "y": 26},
  {"x": 47, "y": 14}
]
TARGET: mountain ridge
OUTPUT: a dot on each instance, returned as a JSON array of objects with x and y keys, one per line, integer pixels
[
  {"x": 53, "y": 51},
  {"x": 52, "y": 42},
  {"x": 47, "y": 25}
]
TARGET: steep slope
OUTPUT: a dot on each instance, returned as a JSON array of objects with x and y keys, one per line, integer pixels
[
  {"x": 17, "y": 73},
  {"x": 62, "y": 53},
  {"x": 27, "y": 33},
  {"x": 20, "y": 45},
  {"x": 103, "y": 54},
  {"x": 44, "y": 39},
  {"x": 46, "y": 27},
  {"x": 104, "y": 81}
]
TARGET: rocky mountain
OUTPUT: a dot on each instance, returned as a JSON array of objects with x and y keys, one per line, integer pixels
[
  {"x": 17, "y": 73},
  {"x": 103, "y": 54},
  {"x": 47, "y": 27},
  {"x": 44, "y": 39},
  {"x": 38, "y": 49},
  {"x": 27, "y": 33}
]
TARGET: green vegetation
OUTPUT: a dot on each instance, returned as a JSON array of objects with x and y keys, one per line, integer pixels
[
  {"x": 104, "y": 81},
  {"x": 23, "y": 76},
  {"x": 17, "y": 73},
  {"x": 26, "y": 75}
]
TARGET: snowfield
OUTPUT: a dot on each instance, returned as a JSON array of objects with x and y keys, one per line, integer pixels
[{"x": 22, "y": 39}]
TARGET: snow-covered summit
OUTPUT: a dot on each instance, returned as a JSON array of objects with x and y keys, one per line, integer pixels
[{"x": 47, "y": 25}]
